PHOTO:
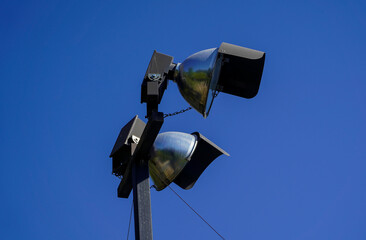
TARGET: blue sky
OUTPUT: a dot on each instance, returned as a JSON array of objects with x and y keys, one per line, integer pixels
[{"x": 70, "y": 75}]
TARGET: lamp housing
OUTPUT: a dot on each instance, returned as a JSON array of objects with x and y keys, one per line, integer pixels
[
  {"x": 230, "y": 69},
  {"x": 181, "y": 158},
  {"x": 121, "y": 152}
]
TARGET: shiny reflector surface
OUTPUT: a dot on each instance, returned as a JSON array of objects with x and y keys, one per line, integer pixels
[
  {"x": 170, "y": 154},
  {"x": 196, "y": 75},
  {"x": 230, "y": 69}
]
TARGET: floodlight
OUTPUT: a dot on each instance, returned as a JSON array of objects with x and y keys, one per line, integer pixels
[
  {"x": 181, "y": 158},
  {"x": 230, "y": 69},
  {"x": 140, "y": 151}
]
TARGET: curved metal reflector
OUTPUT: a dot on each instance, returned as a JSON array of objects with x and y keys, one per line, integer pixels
[
  {"x": 196, "y": 75},
  {"x": 170, "y": 154},
  {"x": 181, "y": 157},
  {"x": 230, "y": 69}
]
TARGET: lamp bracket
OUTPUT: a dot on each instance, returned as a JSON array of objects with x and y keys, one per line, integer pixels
[
  {"x": 139, "y": 152},
  {"x": 155, "y": 81}
]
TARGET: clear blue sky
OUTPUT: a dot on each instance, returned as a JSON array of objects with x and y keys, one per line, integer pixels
[{"x": 70, "y": 74}]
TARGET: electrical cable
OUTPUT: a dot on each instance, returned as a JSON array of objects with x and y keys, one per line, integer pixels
[
  {"x": 196, "y": 212},
  {"x": 153, "y": 186},
  {"x": 129, "y": 223}
]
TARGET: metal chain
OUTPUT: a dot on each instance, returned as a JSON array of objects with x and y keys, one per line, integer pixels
[{"x": 176, "y": 113}]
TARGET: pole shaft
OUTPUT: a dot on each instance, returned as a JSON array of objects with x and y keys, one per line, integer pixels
[{"x": 141, "y": 200}]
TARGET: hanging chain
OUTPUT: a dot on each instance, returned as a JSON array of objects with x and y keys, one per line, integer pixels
[{"x": 176, "y": 113}]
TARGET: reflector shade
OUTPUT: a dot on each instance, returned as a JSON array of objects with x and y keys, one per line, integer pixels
[
  {"x": 203, "y": 155},
  {"x": 230, "y": 69},
  {"x": 241, "y": 70},
  {"x": 171, "y": 152},
  {"x": 194, "y": 77},
  {"x": 180, "y": 157}
]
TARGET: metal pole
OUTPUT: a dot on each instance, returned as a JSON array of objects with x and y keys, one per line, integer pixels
[
  {"x": 141, "y": 200},
  {"x": 140, "y": 177}
]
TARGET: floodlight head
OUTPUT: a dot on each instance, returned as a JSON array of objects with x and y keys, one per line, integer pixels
[
  {"x": 230, "y": 69},
  {"x": 181, "y": 157}
]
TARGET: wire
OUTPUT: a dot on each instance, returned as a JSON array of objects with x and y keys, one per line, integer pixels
[
  {"x": 129, "y": 223},
  {"x": 196, "y": 212},
  {"x": 153, "y": 186}
]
